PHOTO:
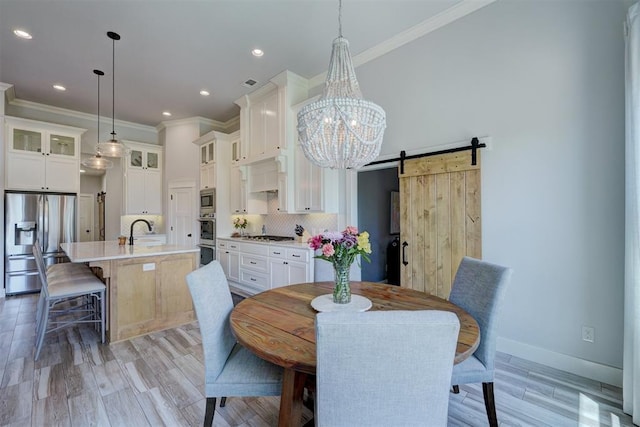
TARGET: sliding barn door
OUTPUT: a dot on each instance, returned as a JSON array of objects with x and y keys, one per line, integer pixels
[{"x": 439, "y": 219}]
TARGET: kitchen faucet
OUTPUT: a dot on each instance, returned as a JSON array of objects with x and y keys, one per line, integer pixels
[{"x": 131, "y": 231}]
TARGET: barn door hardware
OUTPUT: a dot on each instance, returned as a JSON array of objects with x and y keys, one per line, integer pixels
[
  {"x": 473, "y": 146},
  {"x": 404, "y": 258}
]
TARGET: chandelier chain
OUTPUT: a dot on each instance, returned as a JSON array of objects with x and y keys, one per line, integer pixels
[
  {"x": 340, "y": 18},
  {"x": 113, "y": 85}
]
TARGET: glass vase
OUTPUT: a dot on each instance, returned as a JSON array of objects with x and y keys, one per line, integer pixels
[{"x": 341, "y": 287}]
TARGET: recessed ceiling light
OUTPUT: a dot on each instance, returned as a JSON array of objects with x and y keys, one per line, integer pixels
[
  {"x": 60, "y": 88},
  {"x": 204, "y": 92},
  {"x": 257, "y": 52},
  {"x": 22, "y": 34},
  {"x": 166, "y": 113},
  {"x": 82, "y": 171}
]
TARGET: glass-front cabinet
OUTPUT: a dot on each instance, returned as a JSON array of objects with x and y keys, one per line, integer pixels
[
  {"x": 42, "y": 156},
  {"x": 208, "y": 153},
  {"x": 143, "y": 179},
  {"x": 144, "y": 159}
]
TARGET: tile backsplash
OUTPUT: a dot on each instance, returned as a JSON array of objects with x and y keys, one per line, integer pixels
[
  {"x": 283, "y": 224},
  {"x": 141, "y": 227}
]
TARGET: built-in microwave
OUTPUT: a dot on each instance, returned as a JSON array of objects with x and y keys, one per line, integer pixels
[{"x": 208, "y": 200}]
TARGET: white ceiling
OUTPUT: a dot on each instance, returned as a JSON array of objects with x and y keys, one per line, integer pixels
[{"x": 170, "y": 50}]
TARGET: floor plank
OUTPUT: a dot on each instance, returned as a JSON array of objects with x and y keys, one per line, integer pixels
[{"x": 158, "y": 379}]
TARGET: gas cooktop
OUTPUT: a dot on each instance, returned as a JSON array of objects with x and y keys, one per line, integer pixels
[{"x": 269, "y": 238}]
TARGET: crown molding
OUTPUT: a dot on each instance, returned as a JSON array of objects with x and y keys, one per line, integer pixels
[
  {"x": 188, "y": 121},
  {"x": 425, "y": 27},
  {"x": 232, "y": 125},
  {"x": 76, "y": 114},
  {"x": 223, "y": 127},
  {"x": 4, "y": 87}
]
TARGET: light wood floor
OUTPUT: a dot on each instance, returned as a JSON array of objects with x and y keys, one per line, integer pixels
[{"x": 157, "y": 380}]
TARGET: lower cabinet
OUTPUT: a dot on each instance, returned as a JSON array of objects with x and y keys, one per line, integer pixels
[
  {"x": 229, "y": 259},
  {"x": 256, "y": 267}
]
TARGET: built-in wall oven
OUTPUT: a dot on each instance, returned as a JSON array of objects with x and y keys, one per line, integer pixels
[
  {"x": 207, "y": 254},
  {"x": 207, "y": 225}
]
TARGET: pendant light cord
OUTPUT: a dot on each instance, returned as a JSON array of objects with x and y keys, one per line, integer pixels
[
  {"x": 98, "y": 138},
  {"x": 98, "y": 73},
  {"x": 113, "y": 85}
]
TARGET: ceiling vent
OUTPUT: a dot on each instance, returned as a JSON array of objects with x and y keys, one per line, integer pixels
[{"x": 249, "y": 83}]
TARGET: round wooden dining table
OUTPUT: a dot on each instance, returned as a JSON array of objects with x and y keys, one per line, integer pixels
[{"x": 279, "y": 326}]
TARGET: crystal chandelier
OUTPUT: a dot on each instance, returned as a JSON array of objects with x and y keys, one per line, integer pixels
[
  {"x": 113, "y": 148},
  {"x": 341, "y": 130},
  {"x": 97, "y": 161}
]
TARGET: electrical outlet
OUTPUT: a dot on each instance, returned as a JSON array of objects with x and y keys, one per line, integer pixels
[{"x": 588, "y": 334}]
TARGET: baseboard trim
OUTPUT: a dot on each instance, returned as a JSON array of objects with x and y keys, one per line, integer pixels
[{"x": 575, "y": 365}]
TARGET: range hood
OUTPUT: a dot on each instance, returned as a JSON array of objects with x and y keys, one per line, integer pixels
[{"x": 263, "y": 176}]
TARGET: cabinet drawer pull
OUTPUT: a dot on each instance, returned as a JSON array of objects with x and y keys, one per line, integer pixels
[
  {"x": 276, "y": 253},
  {"x": 295, "y": 256},
  {"x": 252, "y": 279},
  {"x": 252, "y": 262}
]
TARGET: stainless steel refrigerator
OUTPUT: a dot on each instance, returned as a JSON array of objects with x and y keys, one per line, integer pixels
[{"x": 47, "y": 218}]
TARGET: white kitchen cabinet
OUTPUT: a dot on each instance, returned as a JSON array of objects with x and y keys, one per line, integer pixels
[
  {"x": 42, "y": 156},
  {"x": 143, "y": 180},
  {"x": 208, "y": 153},
  {"x": 208, "y": 165},
  {"x": 207, "y": 176},
  {"x": 254, "y": 266},
  {"x": 264, "y": 125},
  {"x": 267, "y": 122},
  {"x": 288, "y": 266},
  {"x": 229, "y": 258},
  {"x": 236, "y": 151},
  {"x": 316, "y": 188},
  {"x": 237, "y": 192},
  {"x": 258, "y": 266},
  {"x": 241, "y": 200}
]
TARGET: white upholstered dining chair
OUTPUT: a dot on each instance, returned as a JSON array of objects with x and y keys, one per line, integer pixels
[
  {"x": 384, "y": 368},
  {"x": 479, "y": 288},
  {"x": 230, "y": 369}
]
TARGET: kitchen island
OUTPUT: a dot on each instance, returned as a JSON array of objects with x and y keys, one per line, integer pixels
[{"x": 146, "y": 285}]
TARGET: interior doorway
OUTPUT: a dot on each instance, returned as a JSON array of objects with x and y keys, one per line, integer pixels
[
  {"x": 375, "y": 188},
  {"x": 181, "y": 227},
  {"x": 86, "y": 218}
]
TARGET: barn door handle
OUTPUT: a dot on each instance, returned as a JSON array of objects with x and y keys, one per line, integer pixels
[{"x": 404, "y": 259}]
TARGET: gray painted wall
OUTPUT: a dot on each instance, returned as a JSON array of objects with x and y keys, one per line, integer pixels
[{"x": 546, "y": 81}]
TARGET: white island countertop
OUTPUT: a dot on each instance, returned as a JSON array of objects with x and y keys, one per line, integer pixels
[{"x": 107, "y": 250}]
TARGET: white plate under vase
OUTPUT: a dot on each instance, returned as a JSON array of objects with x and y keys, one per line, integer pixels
[{"x": 324, "y": 303}]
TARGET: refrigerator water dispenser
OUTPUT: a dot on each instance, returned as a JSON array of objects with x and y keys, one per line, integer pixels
[{"x": 25, "y": 233}]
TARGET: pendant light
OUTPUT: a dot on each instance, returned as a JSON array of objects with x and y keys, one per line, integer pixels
[
  {"x": 341, "y": 130},
  {"x": 98, "y": 162},
  {"x": 113, "y": 148}
]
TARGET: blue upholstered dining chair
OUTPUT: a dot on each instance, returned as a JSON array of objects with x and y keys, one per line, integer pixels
[
  {"x": 230, "y": 369},
  {"x": 384, "y": 368},
  {"x": 479, "y": 288}
]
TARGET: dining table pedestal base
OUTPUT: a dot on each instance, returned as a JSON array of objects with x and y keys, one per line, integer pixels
[{"x": 291, "y": 403}]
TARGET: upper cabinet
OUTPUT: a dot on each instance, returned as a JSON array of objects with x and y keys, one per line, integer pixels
[
  {"x": 42, "y": 156},
  {"x": 208, "y": 165},
  {"x": 315, "y": 187},
  {"x": 267, "y": 122},
  {"x": 143, "y": 179}
]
